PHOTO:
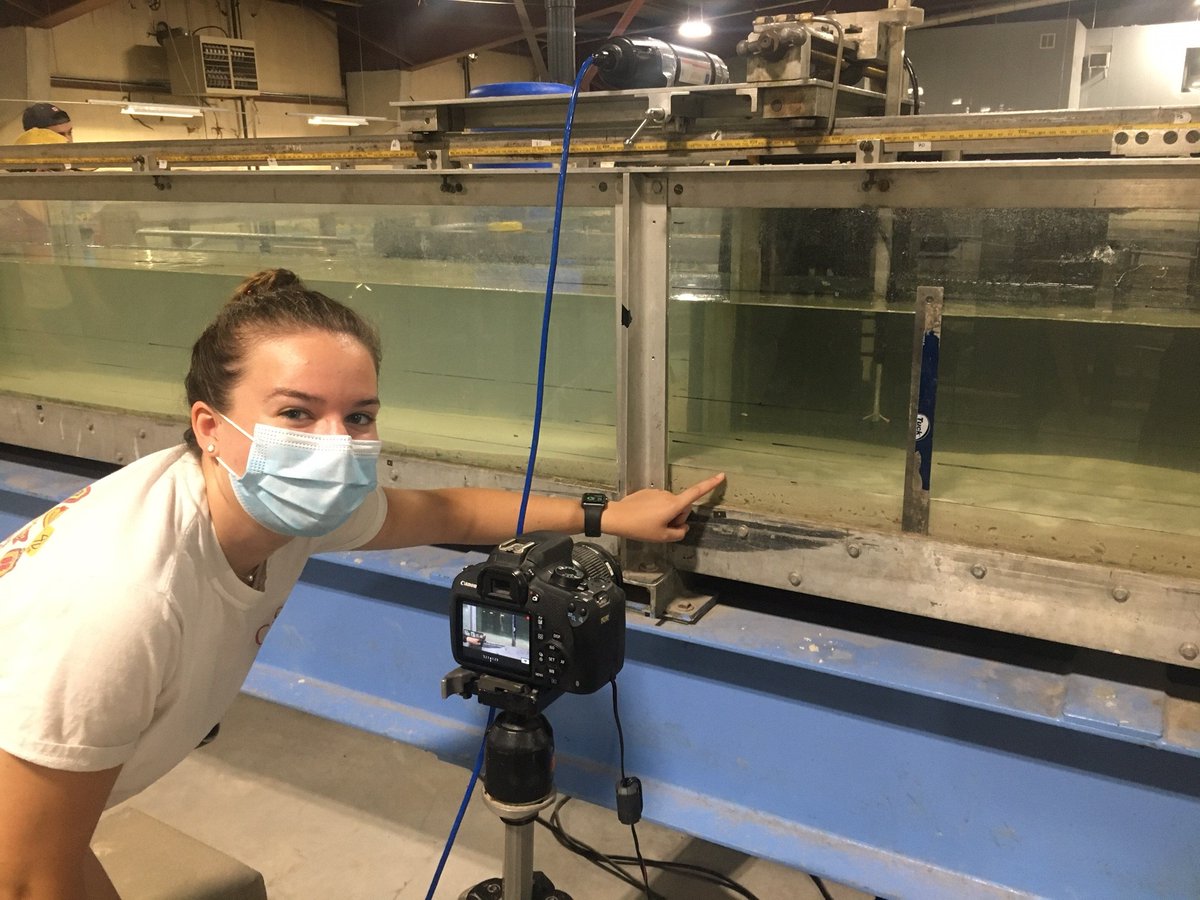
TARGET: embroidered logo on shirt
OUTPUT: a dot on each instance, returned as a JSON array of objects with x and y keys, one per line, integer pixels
[
  {"x": 261, "y": 634},
  {"x": 19, "y": 544}
]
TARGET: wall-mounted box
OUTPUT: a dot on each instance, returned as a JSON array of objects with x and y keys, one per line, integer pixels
[{"x": 208, "y": 66}]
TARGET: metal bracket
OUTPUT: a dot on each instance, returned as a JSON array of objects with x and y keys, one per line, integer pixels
[
  {"x": 1181, "y": 141},
  {"x": 867, "y": 152},
  {"x": 657, "y": 591},
  {"x": 654, "y": 115}
]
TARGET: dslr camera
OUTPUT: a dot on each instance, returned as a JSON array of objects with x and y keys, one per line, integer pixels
[{"x": 544, "y": 612}]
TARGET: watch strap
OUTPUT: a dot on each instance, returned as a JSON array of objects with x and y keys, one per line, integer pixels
[{"x": 593, "y": 505}]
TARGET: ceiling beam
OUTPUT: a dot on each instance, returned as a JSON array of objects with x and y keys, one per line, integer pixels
[
  {"x": 68, "y": 12},
  {"x": 535, "y": 50},
  {"x": 514, "y": 38},
  {"x": 356, "y": 30},
  {"x": 28, "y": 10}
]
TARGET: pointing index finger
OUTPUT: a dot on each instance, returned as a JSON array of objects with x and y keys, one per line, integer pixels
[{"x": 700, "y": 488}]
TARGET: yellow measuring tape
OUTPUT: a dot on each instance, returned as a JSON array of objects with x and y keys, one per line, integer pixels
[
  {"x": 652, "y": 145},
  {"x": 542, "y": 147}
]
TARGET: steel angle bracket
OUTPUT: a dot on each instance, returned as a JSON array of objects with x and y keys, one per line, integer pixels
[{"x": 657, "y": 590}]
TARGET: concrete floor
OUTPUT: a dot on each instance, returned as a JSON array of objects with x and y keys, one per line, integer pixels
[{"x": 327, "y": 812}]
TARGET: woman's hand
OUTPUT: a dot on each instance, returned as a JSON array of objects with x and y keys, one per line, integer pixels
[{"x": 655, "y": 515}]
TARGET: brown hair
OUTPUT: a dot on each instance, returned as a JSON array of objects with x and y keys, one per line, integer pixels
[{"x": 269, "y": 303}]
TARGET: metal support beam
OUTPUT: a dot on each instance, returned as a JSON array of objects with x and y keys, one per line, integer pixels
[
  {"x": 642, "y": 387},
  {"x": 535, "y": 50}
]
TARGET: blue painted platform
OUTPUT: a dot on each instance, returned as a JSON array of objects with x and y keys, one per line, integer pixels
[{"x": 893, "y": 765}]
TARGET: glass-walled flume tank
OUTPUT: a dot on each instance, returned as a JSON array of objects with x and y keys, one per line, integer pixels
[
  {"x": 100, "y": 304},
  {"x": 1068, "y": 401}
]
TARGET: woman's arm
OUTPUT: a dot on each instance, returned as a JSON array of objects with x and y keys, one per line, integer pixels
[
  {"x": 46, "y": 822},
  {"x": 480, "y": 516}
]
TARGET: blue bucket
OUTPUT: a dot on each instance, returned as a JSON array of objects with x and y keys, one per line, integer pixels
[{"x": 518, "y": 89}]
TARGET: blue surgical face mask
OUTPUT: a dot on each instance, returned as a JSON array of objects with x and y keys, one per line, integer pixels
[{"x": 301, "y": 484}]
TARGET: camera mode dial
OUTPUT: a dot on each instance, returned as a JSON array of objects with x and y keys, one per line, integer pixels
[{"x": 567, "y": 576}]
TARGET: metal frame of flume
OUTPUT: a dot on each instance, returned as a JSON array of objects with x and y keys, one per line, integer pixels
[{"x": 1124, "y": 611}]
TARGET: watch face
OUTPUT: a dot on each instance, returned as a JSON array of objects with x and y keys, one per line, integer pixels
[{"x": 595, "y": 500}]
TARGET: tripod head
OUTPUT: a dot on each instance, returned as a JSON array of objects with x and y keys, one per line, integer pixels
[{"x": 499, "y": 693}]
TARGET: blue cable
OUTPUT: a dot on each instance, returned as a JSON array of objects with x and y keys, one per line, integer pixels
[
  {"x": 462, "y": 809},
  {"x": 533, "y": 446},
  {"x": 541, "y": 379}
]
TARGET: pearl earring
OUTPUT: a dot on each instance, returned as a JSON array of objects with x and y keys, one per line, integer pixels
[{"x": 212, "y": 448}]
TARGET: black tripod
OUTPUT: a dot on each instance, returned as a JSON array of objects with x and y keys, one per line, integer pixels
[{"x": 518, "y": 779}]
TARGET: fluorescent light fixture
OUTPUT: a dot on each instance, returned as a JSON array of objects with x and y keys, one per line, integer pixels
[
  {"x": 337, "y": 119},
  {"x": 695, "y": 28},
  {"x": 170, "y": 110}
]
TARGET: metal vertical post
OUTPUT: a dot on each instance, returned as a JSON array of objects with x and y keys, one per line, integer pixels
[
  {"x": 927, "y": 339},
  {"x": 642, "y": 433},
  {"x": 642, "y": 289},
  {"x": 897, "y": 77}
]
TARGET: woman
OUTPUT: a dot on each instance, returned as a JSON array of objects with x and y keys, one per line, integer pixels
[{"x": 131, "y": 612}]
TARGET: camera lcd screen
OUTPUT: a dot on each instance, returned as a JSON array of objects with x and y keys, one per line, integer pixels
[{"x": 495, "y": 637}]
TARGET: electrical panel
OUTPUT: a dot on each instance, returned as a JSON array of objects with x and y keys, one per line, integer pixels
[{"x": 211, "y": 66}]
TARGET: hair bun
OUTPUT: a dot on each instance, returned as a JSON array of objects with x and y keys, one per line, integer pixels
[{"x": 266, "y": 281}]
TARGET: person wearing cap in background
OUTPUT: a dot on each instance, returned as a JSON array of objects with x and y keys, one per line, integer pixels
[{"x": 45, "y": 117}]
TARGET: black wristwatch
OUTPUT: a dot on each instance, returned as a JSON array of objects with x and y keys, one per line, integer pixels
[{"x": 593, "y": 504}]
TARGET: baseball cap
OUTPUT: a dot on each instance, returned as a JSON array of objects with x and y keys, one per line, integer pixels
[{"x": 43, "y": 115}]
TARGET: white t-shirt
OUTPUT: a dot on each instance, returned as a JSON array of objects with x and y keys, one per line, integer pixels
[{"x": 124, "y": 633}]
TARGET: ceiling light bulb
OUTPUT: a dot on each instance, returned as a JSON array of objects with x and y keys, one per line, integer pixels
[{"x": 698, "y": 28}]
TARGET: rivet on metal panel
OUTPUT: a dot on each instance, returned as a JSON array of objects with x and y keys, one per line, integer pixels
[
  {"x": 91, "y": 427},
  {"x": 395, "y": 475},
  {"x": 603, "y": 186},
  {"x": 678, "y": 189},
  {"x": 142, "y": 435},
  {"x": 1120, "y": 594},
  {"x": 979, "y": 570},
  {"x": 120, "y": 457},
  {"x": 854, "y": 550},
  {"x": 1189, "y": 651},
  {"x": 656, "y": 187},
  {"x": 41, "y": 420},
  {"x": 794, "y": 579},
  {"x": 1121, "y": 138},
  {"x": 743, "y": 531}
]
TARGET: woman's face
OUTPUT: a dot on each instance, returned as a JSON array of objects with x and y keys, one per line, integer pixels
[{"x": 311, "y": 381}]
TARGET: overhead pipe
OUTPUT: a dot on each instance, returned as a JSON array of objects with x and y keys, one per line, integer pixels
[{"x": 560, "y": 35}]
